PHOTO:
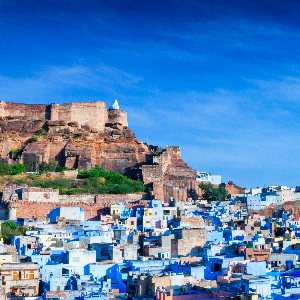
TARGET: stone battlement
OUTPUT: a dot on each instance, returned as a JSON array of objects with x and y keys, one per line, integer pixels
[{"x": 94, "y": 114}]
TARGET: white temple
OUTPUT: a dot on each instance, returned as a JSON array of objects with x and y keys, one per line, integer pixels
[{"x": 116, "y": 104}]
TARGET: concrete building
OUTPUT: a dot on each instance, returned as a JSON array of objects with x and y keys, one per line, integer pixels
[
  {"x": 188, "y": 241},
  {"x": 81, "y": 257},
  {"x": 19, "y": 279},
  {"x": 284, "y": 196},
  {"x": 208, "y": 178}
]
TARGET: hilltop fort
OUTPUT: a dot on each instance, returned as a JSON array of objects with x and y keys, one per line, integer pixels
[{"x": 84, "y": 134}]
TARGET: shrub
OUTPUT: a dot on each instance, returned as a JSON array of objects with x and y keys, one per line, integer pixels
[
  {"x": 41, "y": 132},
  {"x": 14, "y": 151},
  {"x": 10, "y": 229},
  {"x": 5, "y": 169},
  {"x": 51, "y": 166},
  {"x": 35, "y": 138},
  {"x": 18, "y": 169}
]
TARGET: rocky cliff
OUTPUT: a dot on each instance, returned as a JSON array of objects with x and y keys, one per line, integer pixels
[
  {"x": 87, "y": 134},
  {"x": 75, "y": 146}
]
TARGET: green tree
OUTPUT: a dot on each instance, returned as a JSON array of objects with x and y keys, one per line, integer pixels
[
  {"x": 5, "y": 169},
  {"x": 210, "y": 193},
  {"x": 35, "y": 138},
  {"x": 14, "y": 151},
  {"x": 41, "y": 132},
  {"x": 18, "y": 169},
  {"x": 51, "y": 166},
  {"x": 10, "y": 229}
]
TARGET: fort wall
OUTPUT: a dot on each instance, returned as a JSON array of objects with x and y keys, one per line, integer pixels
[
  {"x": 164, "y": 159},
  {"x": 152, "y": 173},
  {"x": 34, "y": 202},
  {"x": 28, "y": 209},
  {"x": 117, "y": 117},
  {"x": 94, "y": 114},
  {"x": 30, "y": 111}
]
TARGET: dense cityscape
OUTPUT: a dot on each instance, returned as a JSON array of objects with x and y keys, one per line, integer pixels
[
  {"x": 148, "y": 150},
  {"x": 163, "y": 231}
]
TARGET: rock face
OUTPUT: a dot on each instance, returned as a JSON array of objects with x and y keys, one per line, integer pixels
[
  {"x": 72, "y": 143},
  {"x": 82, "y": 135}
]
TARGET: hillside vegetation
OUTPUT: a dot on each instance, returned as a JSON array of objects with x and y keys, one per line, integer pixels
[{"x": 94, "y": 181}]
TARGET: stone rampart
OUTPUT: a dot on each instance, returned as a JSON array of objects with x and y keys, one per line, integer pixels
[
  {"x": 115, "y": 198},
  {"x": 117, "y": 117},
  {"x": 77, "y": 198},
  {"x": 37, "y": 194},
  {"x": 29, "y": 111},
  {"x": 164, "y": 159},
  {"x": 152, "y": 173},
  {"x": 30, "y": 209},
  {"x": 94, "y": 114},
  {"x": 35, "y": 202}
]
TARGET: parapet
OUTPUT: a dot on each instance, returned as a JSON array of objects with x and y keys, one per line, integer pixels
[
  {"x": 29, "y": 111},
  {"x": 94, "y": 114},
  {"x": 116, "y": 116}
]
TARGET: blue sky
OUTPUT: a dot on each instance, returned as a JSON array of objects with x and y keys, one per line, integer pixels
[{"x": 220, "y": 79}]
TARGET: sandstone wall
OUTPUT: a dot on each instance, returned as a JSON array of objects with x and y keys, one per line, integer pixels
[
  {"x": 164, "y": 159},
  {"x": 116, "y": 198},
  {"x": 152, "y": 173},
  {"x": 117, "y": 117},
  {"x": 76, "y": 198},
  {"x": 188, "y": 241},
  {"x": 191, "y": 222},
  {"x": 233, "y": 189},
  {"x": 37, "y": 194},
  {"x": 93, "y": 114},
  {"x": 92, "y": 211},
  {"x": 30, "y": 111}
]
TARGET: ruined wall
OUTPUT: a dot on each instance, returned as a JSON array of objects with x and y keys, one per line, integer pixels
[
  {"x": 30, "y": 111},
  {"x": 164, "y": 159}
]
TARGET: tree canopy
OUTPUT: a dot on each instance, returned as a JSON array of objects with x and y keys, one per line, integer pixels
[{"x": 210, "y": 193}]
